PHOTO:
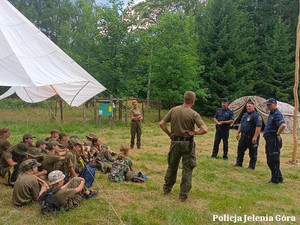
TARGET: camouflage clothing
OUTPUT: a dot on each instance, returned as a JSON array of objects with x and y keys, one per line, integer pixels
[
  {"x": 104, "y": 160},
  {"x": 136, "y": 128},
  {"x": 183, "y": 119},
  {"x": 118, "y": 171},
  {"x": 4, "y": 166},
  {"x": 67, "y": 197}
]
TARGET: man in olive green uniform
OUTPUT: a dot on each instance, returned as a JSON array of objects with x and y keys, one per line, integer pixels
[
  {"x": 182, "y": 118},
  {"x": 27, "y": 188},
  {"x": 75, "y": 145},
  {"x": 52, "y": 160},
  {"x": 136, "y": 128}
]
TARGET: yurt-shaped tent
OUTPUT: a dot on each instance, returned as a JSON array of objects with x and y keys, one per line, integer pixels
[{"x": 238, "y": 107}]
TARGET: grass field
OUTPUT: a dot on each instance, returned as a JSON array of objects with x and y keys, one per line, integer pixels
[{"x": 218, "y": 187}]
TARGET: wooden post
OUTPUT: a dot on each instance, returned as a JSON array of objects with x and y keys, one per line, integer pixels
[
  {"x": 95, "y": 110},
  {"x": 83, "y": 111},
  {"x": 120, "y": 109},
  {"x": 159, "y": 107},
  {"x": 61, "y": 110},
  {"x": 126, "y": 109},
  {"x": 111, "y": 117},
  {"x": 115, "y": 110},
  {"x": 296, "y": 93}
]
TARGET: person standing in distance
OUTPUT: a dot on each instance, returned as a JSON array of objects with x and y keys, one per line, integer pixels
[
  {"x": 223, "y": 119},
  {"x": 135, "y": 126},
  {"x": 183, "y": 119},
  {"x": 250, "y": 128},
  {"x": 274, "y": 127}
]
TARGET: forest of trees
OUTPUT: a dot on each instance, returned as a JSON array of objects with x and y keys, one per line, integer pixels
[{"x": 161, "y": 48}]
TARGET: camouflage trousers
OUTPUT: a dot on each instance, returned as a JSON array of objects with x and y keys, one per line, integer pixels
[
  {"x": 75, "y": 202},
  {"x": 136, "y": 129},
  {"x": 186, "y": 151}
]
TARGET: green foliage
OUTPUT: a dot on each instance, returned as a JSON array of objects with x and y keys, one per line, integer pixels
[{"x": 161, "y": 48}]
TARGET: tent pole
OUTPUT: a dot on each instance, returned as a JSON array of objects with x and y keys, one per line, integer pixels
[
  {"x": 296, "y": 93},
  {"x": 61, "y": 110}
]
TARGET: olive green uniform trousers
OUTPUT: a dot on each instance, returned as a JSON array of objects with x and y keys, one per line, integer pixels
[
  {"x": 136, "y": 129},
  {"x": 186, "y": 151}
]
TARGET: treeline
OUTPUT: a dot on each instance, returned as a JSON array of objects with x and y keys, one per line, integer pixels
[{"x": 160, "y": 48}]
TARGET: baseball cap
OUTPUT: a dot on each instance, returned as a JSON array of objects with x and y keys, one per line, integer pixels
[
  {"x": 53, "y": 143},
  {"x": 26, "y": 136},
  {"x": 41, "y": 142},
  {"x": 75, "y": 141},
  {"x": 55, "y": 177},
  {"x": 224, "y": 99},
  {"x": 271, "y": 101}
]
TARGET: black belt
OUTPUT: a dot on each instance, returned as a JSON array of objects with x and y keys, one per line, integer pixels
[
  {"x": 247, "y": 134},
  {"x": 177, "y": 138},
  {"x": 135, "y": 121}
]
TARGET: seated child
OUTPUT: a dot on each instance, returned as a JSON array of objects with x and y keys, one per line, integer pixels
[
  {"x": 70, "y": 194},
  {"x": 27, "y": 188}
]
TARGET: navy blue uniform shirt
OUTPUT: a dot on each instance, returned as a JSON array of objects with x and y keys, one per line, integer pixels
[
  {"x": 250, "y": 121},
  {"x": 275, "y": 120},
  {"x": 224, "y": 114}
]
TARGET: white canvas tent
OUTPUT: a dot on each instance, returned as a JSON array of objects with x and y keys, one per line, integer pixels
[
  {"x": 34, "y": 67},
  {"x": 238, "y": 107}
]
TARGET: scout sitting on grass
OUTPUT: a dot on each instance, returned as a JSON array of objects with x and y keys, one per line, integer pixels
[
  {"x": 27, "y": 188},
  {"x": 52, "y": 159},
  {"x": 70, "y": 194}
]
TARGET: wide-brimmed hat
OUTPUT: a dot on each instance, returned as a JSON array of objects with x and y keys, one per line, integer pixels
[
  {"x": 55, "y": 177},
  {"x": 28, "y": 164},
  {"x": 34, "y": 152},
  {"x": 90, "y": 136},
  {"x": 20, "y": 149}
]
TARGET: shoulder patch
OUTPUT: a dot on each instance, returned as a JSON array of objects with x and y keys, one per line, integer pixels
[{"x": 259, "y": 117}]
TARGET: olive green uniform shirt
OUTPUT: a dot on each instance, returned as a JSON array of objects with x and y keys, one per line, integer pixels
[
  {"x": 136, "y": 112},
  {"x": 5, "y": 156},
  {"x": 63, "y": 195},
  {"x": 26, "y": 189},
  {"x": 4, "y": 145},
  {"x": 182, "y": 120},
  {"x": 50, "y": 162},
  {"x": 71, "y": 161}
]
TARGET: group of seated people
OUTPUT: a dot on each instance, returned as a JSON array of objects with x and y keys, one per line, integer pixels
[{"x": 54, "y": 163}]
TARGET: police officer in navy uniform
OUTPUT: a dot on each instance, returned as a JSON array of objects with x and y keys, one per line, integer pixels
[
  {"x": 223, "y": 119},
  {"x": 249, "y": 128},
  {"x": 274, "y": 127}
]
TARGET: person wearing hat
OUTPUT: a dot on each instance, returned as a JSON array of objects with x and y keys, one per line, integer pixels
[
  {"x": 34, "y": 153},
  {"x": 19, "y": 152},
  {"x": 28, "y": 140},
  {"x": 53, "y": 135},
  {"x": 183, "y": 120},
  {"x": 70, "y": 195},
  {"x": 249, "y": 128},
  {"x": 63, "y": 139},
  {"x": 274, "y": 127},
  {"x": 42, "y": 146},
  {"x": 105, "y": 158},
  {"x": 223, "y": 119},
  {"x": 52, "y": 160},
  {"x": 75, "y": 146},
  {"x": 4, "y": 143},
  {"x": 27, "y": 187},
  {"x": 135, "y": 126}
]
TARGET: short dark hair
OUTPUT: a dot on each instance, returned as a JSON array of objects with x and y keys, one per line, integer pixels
[{"x": 189, "y": 97}]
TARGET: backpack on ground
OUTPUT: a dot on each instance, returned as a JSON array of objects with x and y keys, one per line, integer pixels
[
  {"x": 88, "y": 173},
  {"x": 48, "y": 202},
  {"x": 11, "y": 175}
]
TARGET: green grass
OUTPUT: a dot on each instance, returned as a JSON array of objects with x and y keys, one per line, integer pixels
[{"x": 218, "y": 187}]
